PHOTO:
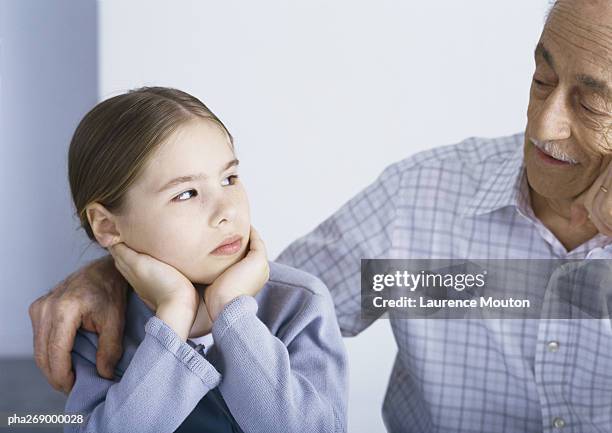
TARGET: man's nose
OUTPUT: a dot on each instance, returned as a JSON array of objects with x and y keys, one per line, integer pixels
[{"x": 553, "y": 120}]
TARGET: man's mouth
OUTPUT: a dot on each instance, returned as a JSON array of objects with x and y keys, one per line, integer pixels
[{"x": 553, "y": 153}]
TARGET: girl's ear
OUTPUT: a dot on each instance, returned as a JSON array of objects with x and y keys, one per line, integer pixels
[{"x": 103, "y": 225}]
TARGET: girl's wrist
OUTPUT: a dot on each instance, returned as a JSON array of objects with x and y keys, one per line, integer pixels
[
  {"x": 217, "y": 302},
  {"x": 178, "y": 315}
]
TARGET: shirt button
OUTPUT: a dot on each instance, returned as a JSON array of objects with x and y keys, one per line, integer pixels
[
  {"x": 558, "y": 423},
  {"x": 553, "y": 346}
]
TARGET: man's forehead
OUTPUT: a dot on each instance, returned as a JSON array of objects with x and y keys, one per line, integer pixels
[
  {"x": 580, "y": 31},
  {"x": 593, "y": 8},
  {"x": 585, "y": 24}
]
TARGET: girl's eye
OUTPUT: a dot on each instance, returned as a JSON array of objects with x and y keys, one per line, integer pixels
[
  {"x": 230, "y": 180},
  {"x": 186, "y": 195}
]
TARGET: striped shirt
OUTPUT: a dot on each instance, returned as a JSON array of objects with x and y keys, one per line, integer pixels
[{"x": 468, "y": 200}]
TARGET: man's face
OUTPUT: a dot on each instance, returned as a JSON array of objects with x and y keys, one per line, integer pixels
[{"x": 570, "y": 103}]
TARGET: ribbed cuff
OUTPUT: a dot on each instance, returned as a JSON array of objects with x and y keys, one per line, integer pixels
[
  {"x": 170, "y": 340},
  {"x": 232, "y": 312}
]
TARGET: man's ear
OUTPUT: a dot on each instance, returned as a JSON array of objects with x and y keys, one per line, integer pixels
[{"x": 103, "y": 225}]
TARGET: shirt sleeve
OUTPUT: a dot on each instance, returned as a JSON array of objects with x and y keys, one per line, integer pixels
[
  {"x": 165, "y": 380},
  {"x": 361, "y": 229},
  {"x": 295, "y": 383}
]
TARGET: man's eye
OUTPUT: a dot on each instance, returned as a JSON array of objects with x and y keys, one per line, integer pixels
[
  {"x": 540, "y": 82},
  {"x": 186, "y": 195},
  {"x": 230, "y": 180},
  {"x": 590, "y": 110}
]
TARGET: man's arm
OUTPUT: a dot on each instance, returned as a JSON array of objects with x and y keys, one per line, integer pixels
[{"x": 94, "y": 298}]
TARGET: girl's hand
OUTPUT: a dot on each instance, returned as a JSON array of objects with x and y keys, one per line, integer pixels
[
  {"x": 162, "y": 287},
  {"x": 246, "y": 277}
]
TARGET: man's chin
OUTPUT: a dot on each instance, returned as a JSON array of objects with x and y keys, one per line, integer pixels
[
  {"x": 551, "y": 184},
  {"x": 548, "y": 190}
]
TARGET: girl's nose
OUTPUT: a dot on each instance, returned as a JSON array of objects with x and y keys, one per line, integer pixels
[{"x": 225, "y": 212}]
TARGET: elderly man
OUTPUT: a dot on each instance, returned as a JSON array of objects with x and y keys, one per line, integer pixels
[{"x": 542, "y": 194}]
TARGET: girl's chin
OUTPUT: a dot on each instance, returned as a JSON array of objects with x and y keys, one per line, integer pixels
[
  {"x": 205, "y": 280},
  {"x": 214, "y": 268}
]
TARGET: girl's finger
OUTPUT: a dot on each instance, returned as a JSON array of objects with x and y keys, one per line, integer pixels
[
  {"x": 256, "y": 242},
  {"x": 122, "y": 252},
  {"x": 113, "y": 252}
]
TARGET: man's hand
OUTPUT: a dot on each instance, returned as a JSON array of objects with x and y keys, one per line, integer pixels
[
  {"x": 595, "y": 204},
  {"x": 246, "y": 277},
  {"x": 93, "y": 297}
]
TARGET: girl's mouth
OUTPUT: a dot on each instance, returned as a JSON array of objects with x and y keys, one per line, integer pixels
[{"x": 229, "y": 246}]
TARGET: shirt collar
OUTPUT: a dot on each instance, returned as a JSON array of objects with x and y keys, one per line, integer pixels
[{"x": 508, "y": 187}]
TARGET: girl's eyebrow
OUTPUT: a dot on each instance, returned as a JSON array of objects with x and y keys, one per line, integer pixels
[{"x": 191, "y": 177}]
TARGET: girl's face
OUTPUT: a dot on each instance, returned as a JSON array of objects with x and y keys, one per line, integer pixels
[{"x": 187, "y": 202}]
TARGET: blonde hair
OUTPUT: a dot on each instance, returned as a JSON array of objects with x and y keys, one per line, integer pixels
[{"x": 115, "y": 139}]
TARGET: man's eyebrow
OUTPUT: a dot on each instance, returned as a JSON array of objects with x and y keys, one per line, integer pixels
[
  {"x": 594, "y": 84},
  {"x": 585, "y": 80},
  {"x": 191, "y": 177},
  {"x": 541, "y": 49}
]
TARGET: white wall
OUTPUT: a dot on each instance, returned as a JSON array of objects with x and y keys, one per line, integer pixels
[{"x": 320, "y": 96}]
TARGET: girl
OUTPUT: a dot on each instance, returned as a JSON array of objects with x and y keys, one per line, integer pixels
[{"x": 216, "y": 339}]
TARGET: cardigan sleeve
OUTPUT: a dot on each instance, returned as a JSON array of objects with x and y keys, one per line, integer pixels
[
  {"x": 165, "y": 380},
  {"x": 294, "y": 384}
]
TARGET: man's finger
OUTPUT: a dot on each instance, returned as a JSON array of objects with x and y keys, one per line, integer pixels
[
  {"x": 109, "y": 345},
  {"x": 598, "y": 219},
  {"x": 590, "y": 192},
  {"x": 587, "y": 198},
  {"x": 41, "y": 327},
  {"x": 61, "y": 340},
  {"x": 595, "y": 203},
  {"x": 601, "y": 204},
  {"x": 578, "y": 215},
  {"x": 583, "y": 207}
]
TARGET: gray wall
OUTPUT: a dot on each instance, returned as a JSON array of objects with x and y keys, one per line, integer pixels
[{"x": 48, "y": 80}]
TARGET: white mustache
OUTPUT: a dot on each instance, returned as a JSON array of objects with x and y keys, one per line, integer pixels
[{"x": 552, "y": 149}]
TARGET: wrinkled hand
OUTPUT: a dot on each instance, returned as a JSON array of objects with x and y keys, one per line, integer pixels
[
  {"x": 155, "y": 282},
  {"x": 594, "y": 206},
  {"x": 93, "y": 297},
  {"x": 245, "y": 277}
]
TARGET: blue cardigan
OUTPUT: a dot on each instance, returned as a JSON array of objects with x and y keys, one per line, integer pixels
[{"x": 278, "y": 364}]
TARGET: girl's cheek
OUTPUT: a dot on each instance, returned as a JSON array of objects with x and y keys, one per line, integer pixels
[{"x": 244, "y": 201}]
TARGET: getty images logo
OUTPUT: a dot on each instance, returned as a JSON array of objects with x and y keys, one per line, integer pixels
[{"x": 411, "y": 281}]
